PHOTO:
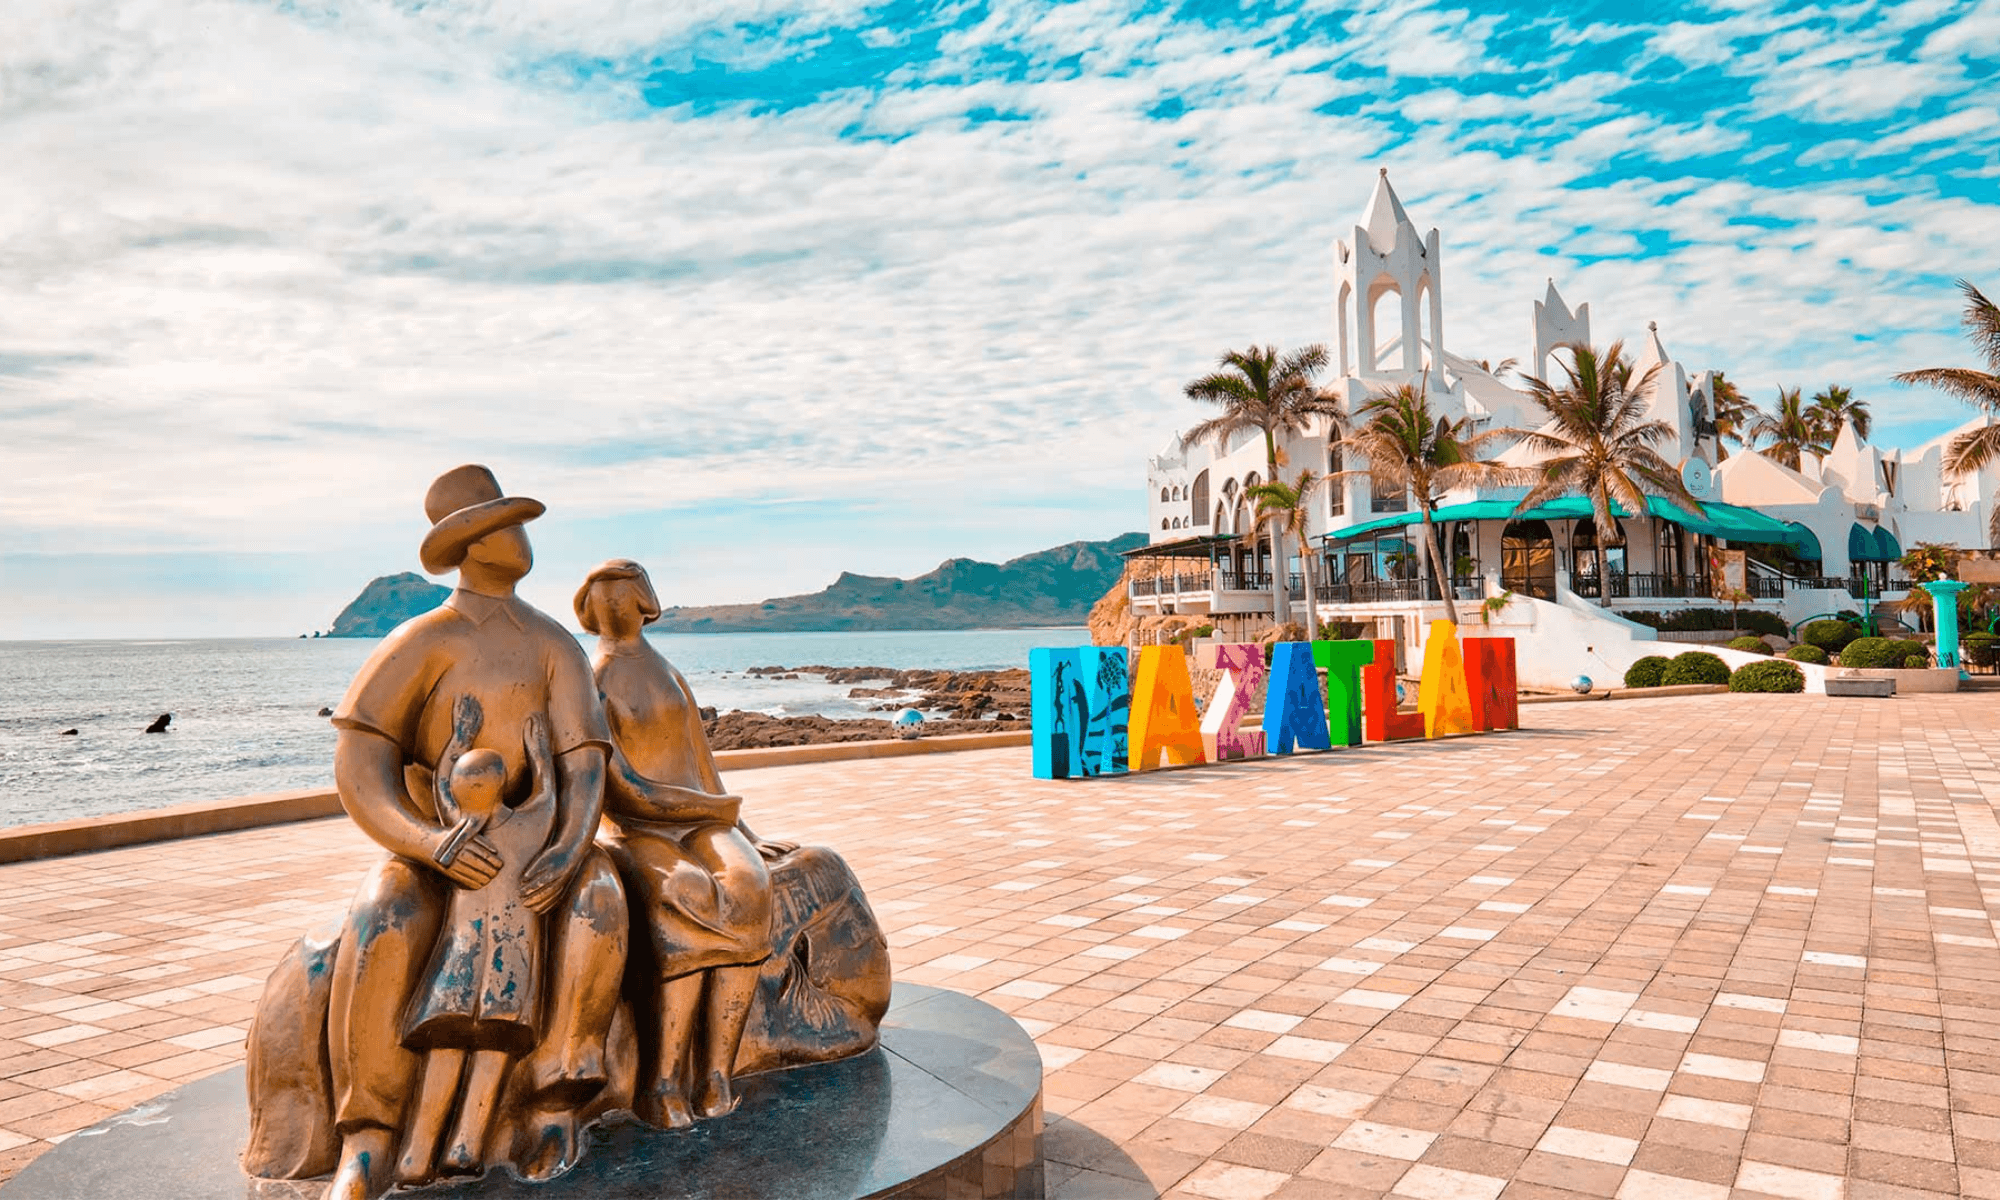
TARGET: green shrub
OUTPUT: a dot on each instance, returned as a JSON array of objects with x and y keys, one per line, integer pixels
[
  {"x": 1830, "y": 636},
  {"x": 1771, "y": 676},
  {"x": 1980, "y": 649},
  {"x": 1752, "y": 645},
  {"x": 1704, "y": 620},
  {"x": 1696, "y": 666},
  {"x": 1917, "y": 662},
  {"x": 1809, "y": 654},
  {"x": 1877, "y": 653},
  {"x": 1647, "y": 671}
]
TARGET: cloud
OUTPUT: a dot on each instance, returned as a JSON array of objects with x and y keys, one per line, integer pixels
[{"x": 269, "y": 269}]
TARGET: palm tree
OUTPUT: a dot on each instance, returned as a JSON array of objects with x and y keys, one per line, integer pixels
[
  {"x": 1834, "y": 407},
  {"x": 1794, "y": 430},
  {"x": 1974, "y": 449},
  {"x": 1255, "y": 389},
  {"x": 1600, "y": 443},
  {"x": 1407, "y": 446},
  {"x": 1734, "y": 414},
  {"x": 1290, "y": 504}
]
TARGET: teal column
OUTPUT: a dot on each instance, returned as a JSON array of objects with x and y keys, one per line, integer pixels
[{"x": 1944, "y": 600}]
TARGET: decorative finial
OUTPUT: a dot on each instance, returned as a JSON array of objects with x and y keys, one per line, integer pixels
[
  {"x": 1653, "y": 326},
  {"x": 1384, "y": 170}
]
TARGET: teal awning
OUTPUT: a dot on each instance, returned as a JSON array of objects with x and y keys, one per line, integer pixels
[
  {"x": 1878, "y": 545},
  {"x": 1730, "y": 521}
]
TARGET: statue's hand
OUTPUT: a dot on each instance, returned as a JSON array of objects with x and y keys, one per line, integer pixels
[
  {"x": 773, "y": 851},
  {"x": 474, "y": 867},
  {"x": 543, "y": 882}
]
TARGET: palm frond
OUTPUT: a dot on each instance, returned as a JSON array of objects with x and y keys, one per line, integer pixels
[{"x": 1974, "y": 387}]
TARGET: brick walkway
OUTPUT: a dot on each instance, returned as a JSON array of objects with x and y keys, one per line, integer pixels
[{"x": 1720, "y": 946}]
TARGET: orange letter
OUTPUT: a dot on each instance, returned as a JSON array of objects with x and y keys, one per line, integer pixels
[{"x": 1163, "y": 716}]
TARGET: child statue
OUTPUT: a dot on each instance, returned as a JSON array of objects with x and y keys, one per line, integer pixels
[{"x": 480, "y": 991}]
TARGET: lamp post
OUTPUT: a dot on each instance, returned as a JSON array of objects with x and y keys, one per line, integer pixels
[{"x": 1944, "y": 602}]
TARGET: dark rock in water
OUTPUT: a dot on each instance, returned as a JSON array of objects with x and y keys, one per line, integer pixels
[
  {"x": 67, "y": 733},
  {"x": 325, "y": 712},
  {"x": 160, "y": 723},
  {"x": 386, "y": 603},
  {"x": 707, "y": 712}
]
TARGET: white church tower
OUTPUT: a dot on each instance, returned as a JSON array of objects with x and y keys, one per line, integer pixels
[
  {"x": 1556, "y": 325},
  {"x": 1398, "y": 341}
]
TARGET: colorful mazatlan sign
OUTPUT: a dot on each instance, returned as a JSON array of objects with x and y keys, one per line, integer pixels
[{"x": 1087, "y": 721}]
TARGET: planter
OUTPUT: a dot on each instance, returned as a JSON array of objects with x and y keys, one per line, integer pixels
[
  {"x": 1929, "y": 679},
  {"x": 1854, "y": 685}
]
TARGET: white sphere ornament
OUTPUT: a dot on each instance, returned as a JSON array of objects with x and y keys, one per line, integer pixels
[
  {"x": 1581, "y": 685},
  {"x": 909, "y": 716}
]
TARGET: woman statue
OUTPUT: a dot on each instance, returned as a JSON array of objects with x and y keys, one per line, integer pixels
[{"x": 694, "y": 872}]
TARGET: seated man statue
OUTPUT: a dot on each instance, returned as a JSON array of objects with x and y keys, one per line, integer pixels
[
  {"x": 474, "y": 748},
  {"x": 485, "y": 672}
]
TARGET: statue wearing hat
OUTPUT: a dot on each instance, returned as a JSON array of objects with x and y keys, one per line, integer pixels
[
  {"x": 489, "y": 995},
  {"x": 489, "y": 675}
]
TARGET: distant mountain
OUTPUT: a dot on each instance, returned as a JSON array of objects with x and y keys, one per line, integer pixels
[
  {"x": 1049, "y": 587},
  {"x": 386, "y": 603}
]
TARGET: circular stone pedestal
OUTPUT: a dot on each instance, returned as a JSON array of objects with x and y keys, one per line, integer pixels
[{"x": 948, "y": 1106}]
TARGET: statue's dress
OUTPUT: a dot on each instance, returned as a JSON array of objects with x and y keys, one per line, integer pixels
[
  {"x": 699, "y": 888},
  {"x": 482, "y": 987}
]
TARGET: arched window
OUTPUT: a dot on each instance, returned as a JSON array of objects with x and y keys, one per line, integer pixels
[
  {"x": 1200, "y": 501},
  {"x": 1670, "y": 552},
  {"x": 1336, "y": 488},
  {"x": 1164, "y": 525},
  {"x": 1528, "y": 559},
  {"x": 1583, "y": 556},
  {"x": 1165, "y": 495},
  {"x": 1464, "y": 563}
]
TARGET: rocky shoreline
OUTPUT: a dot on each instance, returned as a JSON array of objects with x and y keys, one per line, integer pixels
[{"x": 973, "y": 701}]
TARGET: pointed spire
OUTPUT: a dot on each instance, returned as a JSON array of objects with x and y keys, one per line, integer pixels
[
  {"x": 1553, "y": 300},
  {"x": 1385, "y": 215},
  {"x": 1654, "y": 352}
]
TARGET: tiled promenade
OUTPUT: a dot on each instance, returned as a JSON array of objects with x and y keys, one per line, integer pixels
[{"x": 1681, "y": 949}]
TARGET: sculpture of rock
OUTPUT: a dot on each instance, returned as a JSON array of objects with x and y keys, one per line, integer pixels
[{"x": 571, "y": 919}]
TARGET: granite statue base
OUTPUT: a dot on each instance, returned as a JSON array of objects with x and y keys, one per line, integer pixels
[{"x": 948, "y": 1106}]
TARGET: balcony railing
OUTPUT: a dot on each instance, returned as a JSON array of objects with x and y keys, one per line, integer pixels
[{"x": 1671, "y": 587}]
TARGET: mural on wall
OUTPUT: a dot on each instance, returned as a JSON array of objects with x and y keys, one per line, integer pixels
[
  {"x": 1079, "y": 695},
  {"x": 1088, "y": 722},
  {"x": 1223, "y": 737}
]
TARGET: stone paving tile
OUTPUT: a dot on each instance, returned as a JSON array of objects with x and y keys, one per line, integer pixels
[{"x": 1692, "y": 948}]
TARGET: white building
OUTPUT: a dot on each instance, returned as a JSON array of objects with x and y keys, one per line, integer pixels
[{"x": 1820, "y": 539}]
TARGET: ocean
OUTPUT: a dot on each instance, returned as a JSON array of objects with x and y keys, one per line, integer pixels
[{"x": 246, "y": 710}]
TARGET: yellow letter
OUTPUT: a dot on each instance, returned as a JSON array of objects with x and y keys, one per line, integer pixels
[{"x": 1442, "y": 694}]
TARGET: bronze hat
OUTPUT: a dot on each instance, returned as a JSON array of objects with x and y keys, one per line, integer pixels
[{"x": 464, "y": 505}]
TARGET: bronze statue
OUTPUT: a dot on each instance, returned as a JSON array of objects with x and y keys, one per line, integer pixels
[
  {"x": 695, "y": 873},
  {"x": 480, "y": 982}
]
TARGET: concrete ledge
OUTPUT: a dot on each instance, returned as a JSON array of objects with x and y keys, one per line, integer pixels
[
  {"x": 58, "y": 838},
  {"x": 1655, "y": 693}
]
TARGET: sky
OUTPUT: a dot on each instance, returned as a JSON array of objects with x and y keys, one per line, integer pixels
[{"x": 758, "y": 291}]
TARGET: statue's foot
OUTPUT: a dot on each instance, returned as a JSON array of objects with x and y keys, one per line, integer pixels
[
  {"x": 364, "y": 1166},
  {"x": 715, "y": 1097},
  {"x": 461, "y": 1159},
  {"x": 565, "y": 1078},
  {"x": 664, "y": 1107},
  {"x": 557, "y": 1148}
]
